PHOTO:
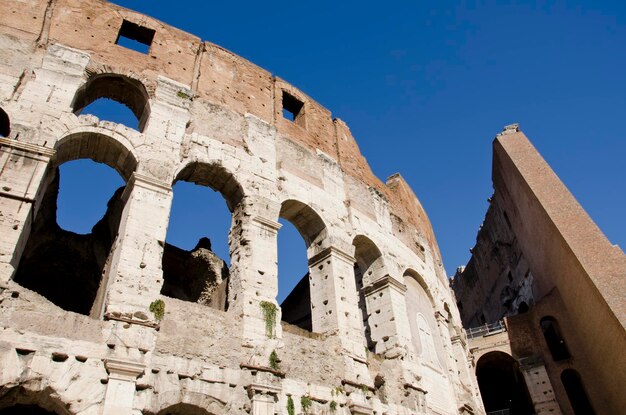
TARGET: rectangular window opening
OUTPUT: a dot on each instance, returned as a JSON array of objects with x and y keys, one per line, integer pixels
[
  {"x": 135, "y": 37},
  {"x": 292, "y": 107}
]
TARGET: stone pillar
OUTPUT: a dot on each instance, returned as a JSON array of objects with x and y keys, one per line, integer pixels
[
  {"x": 539, "y": 386},
  {"x": 334, "y": 307},
  {"x": 254, "y": 275},
  {"x": 135, "y": 277},
  {"x": 120, "y": 393},
  {"x": 389, "y": 325},
  {"x": 469, "y": 386},
  {"x": 264, "y": 393},
  {"x": 22, "y": 168}
]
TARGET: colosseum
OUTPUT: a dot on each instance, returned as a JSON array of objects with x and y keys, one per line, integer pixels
[{"x": 119, "y": 322}]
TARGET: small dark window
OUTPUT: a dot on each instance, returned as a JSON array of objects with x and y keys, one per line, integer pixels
[
  {"x": 554, "y": 339},
  {"x": 5, "y": 125},
  {"x": 523, "y": 308},
  {"x": 292, "y": 107},
  {"x": 135, "y": 37}
]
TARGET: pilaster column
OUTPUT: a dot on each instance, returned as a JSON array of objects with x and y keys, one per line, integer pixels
[
  {"x": 334, "y": 307},
  {"x": 254, "y": 275},
  {"x": 135, "y": 276},
  {"x": 386, "y": 309},
  {"x": 539, "y": 386},
  {"x": 22, "y": 167},
  {"x": 120, "y": 393}
]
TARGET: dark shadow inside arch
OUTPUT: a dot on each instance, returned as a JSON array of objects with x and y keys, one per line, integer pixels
[
  {"x": 196, "y": 255},
  {"x": 502, "y": 384},
  {"x": 576, "y": 393},
  {"x": 554, "y": 339},
  {"x": 120, "y": 89},
  {"x": 182, "y": 409},
  {"x": 68, "y": 268},
  {"x": 21, "y": 401},
  {"x": 367, "y": 257},
  {"x": 5, "y": 124},
  {"x": 300, "y": 221},
  {"x": 25, "y": 410}
]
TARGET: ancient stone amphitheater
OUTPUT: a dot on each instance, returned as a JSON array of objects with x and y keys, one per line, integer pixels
[{"x": 119, "y": 322}]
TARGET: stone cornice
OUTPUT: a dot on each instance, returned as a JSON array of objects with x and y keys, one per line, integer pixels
[
  {"x": 385, "y": 282},
  {"x": 123, "y": 370},
  {"x": 31, "y": 148},
  {"x": 331, "y": 251},
  {"x": 267, "y": 223}
]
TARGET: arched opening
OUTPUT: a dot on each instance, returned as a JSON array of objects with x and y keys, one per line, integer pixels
[
  {"x": 421, "y": 312},
  {"x": 25, "y": 410},
  {"x": 65, "y": 266},
  {"x": 296, "y": 307},
  {"x": 522, "y": 308},
  {"x": 22, "y": 401},
  {"x": 184, "y": 409},
  {"x": 196, "y": 255},
  {"x": 502, "y": 384},
  {"x": 554, "y": 339},
  {"x": 108, "y": 89},
  {"x": 368, "y": 268},
  {"x": 576, "y": 393},
  {"x": 5, "y": 124}
]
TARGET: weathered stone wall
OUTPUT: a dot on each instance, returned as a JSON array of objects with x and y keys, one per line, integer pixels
[
  {"x": 209, "y": 117},
  {"x": 538, "y": 248}
]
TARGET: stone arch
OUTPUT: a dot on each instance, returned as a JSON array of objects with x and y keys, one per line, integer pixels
[
  {"x": 297, "y": 308},
  {"x": 31, "y": 400},
  {"x": 5, "y": 124},
  {"x": 185, "y": 402},
  {"x": 502, "y": 385},
  {"x": 369, "y": 259},
  {"x": 423, "y": 325},
  {"x": 199, "y": 275},
  {"x": 99, "y": 145},
  {"x": 576, "y": 393},
  {"x": 216, "y": 177},
  {"x": 120, "y": 88},
  {"x": 411, "y": 273},
  {"x": 67, "y": 268},
  {"x": 368, "y": 268},
  {"x": 307, "y": 221}
]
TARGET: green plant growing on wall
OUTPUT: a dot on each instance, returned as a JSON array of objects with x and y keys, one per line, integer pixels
[
  {"x": 183, "y": 95},
  {"x": 333, "y": 406},
  {"x": 274, "y": 360},
  {"x": 305, "y": 403},
  {"x": 157, "y": 308},
  {"x": 291, "y": 409},
  {"x": 269, "y": 314}
]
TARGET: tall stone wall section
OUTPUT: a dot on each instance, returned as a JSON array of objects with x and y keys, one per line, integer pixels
[
  {"x": 539, "y": 257},
  {"x": 210, "y": 117}
]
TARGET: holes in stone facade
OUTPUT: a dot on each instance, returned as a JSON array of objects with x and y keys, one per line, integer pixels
[
  {"x": 502, "y": 384},
  {"x": 135, "y": 37},
  {"x": 192, "y": 268},
  {"x": 293, "y": 109},
  {"x": 68, "y": 268},
  {"x": 576, "y": 393},
  {"x": 554, "y": 339},
  {"x": 5, "y": 124},
  {"x": 118, "y": 88}
]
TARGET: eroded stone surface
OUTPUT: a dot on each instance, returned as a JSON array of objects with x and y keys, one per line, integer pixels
[{"x": 208, "y": 117}]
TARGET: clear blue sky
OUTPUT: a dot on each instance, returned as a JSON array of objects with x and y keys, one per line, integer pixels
[{"x": 426, "y": 85}]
